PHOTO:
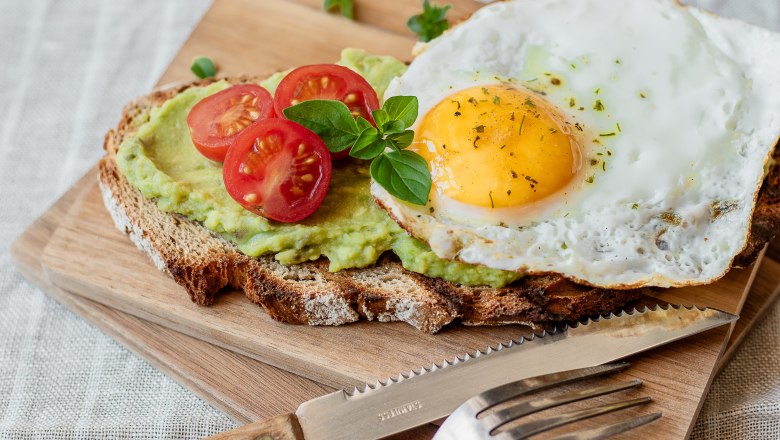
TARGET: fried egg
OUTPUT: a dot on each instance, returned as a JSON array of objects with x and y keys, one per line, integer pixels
[{"x": 619, "y": 143}]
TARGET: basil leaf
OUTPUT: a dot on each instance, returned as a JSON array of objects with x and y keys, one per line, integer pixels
[
  {"x": 346, "y": 7},
  {"x": 402, "y": 108},
  {"x": 404, "y": 174},
  {"x": 366, "y": 137},
  {"x": 380, "y": 118},
  {"x": 362, "y": 123},
  {"x": 402, "y": 140},
  {"x": 203, "y": 67},
  {"x": 370, "y": 150},
  {"x": 393, "y": 127},
  {"x": 330, "y": 120}
]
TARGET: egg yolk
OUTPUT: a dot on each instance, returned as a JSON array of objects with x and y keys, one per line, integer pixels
[{"x": 497, "y": 146}]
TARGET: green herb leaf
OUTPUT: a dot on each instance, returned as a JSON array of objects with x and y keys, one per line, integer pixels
[
  {"x": 404, "y": 174},
  {"x": 430, "y": 23},
  {"x": 380, "y": 118},
  {"x": 402, "y": 140},
  {"x": 203, "y": 67},
  {"x": 330, "y": 120},
  {"x": 368, "y": 145},
  {"x": 346, "y": 7},
  {"x": 393, "y": 127},
  {"x": 402, "y": 108},
  {"x": 369, "y": 150},
  {"x": 362, "y": 123}
]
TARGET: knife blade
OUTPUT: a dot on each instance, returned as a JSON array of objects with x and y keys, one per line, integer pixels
[{"x": 428, "y": 394}]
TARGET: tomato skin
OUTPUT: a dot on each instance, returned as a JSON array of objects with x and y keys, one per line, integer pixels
[
  {"x": 217, "y": 120},
  {"x": 327, "y": 81},
  {"x": 278, "y": 169}
]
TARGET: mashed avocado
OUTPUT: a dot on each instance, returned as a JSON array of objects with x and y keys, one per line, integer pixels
[{"x": 348, "y": 228}]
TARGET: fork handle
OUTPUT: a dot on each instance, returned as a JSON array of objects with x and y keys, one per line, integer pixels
[{"x": 283, "y": 427}]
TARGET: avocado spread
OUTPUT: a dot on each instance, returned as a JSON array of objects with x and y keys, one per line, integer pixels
[{"x": 348, "y": 228}]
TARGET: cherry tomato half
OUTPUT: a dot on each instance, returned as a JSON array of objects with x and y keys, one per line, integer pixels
[
  {"x": 278, "y": 169},
  {"x": 327, "y": 81},
  {"x": 217, "y": 120}
]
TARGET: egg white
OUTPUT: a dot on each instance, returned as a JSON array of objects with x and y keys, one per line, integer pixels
[{"x": 691, "y": 111}]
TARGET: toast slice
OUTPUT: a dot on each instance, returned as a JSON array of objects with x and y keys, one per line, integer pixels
[{"x": 204, "y": 263}]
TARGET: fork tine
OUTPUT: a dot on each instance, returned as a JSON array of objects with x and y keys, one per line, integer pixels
[
  {"x": 516, "y": 389},
  {"x": 532, "y": 428},
  {"x": 530, "y": 406},
  {"x": 610, "y": 430}
]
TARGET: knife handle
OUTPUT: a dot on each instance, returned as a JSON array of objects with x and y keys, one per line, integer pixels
[{"x": 283, "y": 427}]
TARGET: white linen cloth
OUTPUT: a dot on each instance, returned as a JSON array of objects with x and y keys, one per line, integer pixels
[{"x": 66, "y": 70}]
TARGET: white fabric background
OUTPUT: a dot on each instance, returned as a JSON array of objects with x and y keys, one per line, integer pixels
[{"x": 66, "y": 70}]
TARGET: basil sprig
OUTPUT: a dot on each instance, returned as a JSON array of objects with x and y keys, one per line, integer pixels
[
  {"x": 401, "y": 172},
  {"x": 430, "y": 23}
]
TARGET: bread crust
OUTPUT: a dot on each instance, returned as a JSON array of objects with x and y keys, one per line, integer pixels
[{"x": 204, "y": 264}]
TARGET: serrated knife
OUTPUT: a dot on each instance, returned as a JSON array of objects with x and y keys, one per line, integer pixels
[{"x": 429, "y": 394}]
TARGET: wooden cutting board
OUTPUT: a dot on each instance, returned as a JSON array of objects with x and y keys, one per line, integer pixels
[{"x": 679, "y": 374}]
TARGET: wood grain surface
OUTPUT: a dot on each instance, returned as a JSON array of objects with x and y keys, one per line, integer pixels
[
  {"x": 295, "y": 32},
  {"x": 676, "y": 376},
  {"x": 281, "y": 427}
]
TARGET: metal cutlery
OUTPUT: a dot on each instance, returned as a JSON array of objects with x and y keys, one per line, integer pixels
[
  {"x": 473, "y": 420},
  {"x": 429, "y": 394}
]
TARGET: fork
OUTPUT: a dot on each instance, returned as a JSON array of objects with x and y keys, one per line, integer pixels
[{"x": 470, "y": 420}]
